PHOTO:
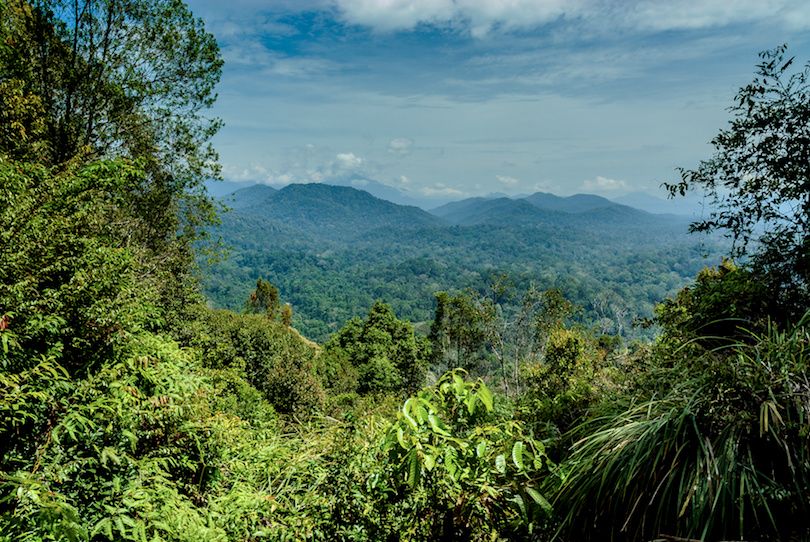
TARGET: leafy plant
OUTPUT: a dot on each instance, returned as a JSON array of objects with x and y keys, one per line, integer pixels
[
  {"x": 723, "y": 455},
  {"x": 479, "y": 476}
]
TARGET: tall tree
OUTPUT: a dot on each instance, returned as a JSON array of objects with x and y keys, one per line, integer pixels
[
  {"x": 458, "y": 332},
  {"x": 97, "y": 79},
  {"x": 382, "y": 350},
  {"x": 263, "y": 300},
  {"x": 759, "y": 177}
]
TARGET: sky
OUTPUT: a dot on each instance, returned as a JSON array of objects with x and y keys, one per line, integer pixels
[{"x": 459, "y": 98}]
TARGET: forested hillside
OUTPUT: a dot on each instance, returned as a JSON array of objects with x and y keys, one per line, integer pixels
[
  {"x": 131, "y": 411},
  {"x": 333, "y": 251}
]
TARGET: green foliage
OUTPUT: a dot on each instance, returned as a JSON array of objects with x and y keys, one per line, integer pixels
[
  {"x": 716, "y": 309},
  {"x": 68, "y": 285},
  {"x": 759, "y": 178},
  {"x": 478, "y": 475},
  {"x": 721, "y": 454},
  {"x": 22, "y": 114},
  {"x": 458, "y": 332},
  {"x": 563, "y": 385},
  {"x": 116, "y": 76},
  {"x": 380, "y": 354},
  {"x": 329, "y": 282},
  {"x": 120, "y": 455},
  {"x": 271, "y": 357},
  {"x": 263, "y": 300},
  {"x": 101, "y": 79}
]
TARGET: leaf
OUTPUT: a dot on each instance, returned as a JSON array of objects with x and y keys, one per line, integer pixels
[
  {"x": 517, "y": 454},
  {"x": 430, "y": 459},
  {"x": 421, "y": 414},
  {"x": 108, "y": 454},
  {"x": 412, "y": 460},
  {"x": 451, "y": 462},
  {"x": 517, "y": 499},
  {"x": 405, "y": 412},
  {"x": 500, "y": 463},
  {"x": 401, "y": 437},
  {"x": 539, "y": 499},
  {"x": 486, "y": 397},
  {"x": 434, "y": 424}
]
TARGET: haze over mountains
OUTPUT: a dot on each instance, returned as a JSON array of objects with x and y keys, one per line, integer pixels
[
  {"x": 690, "y": 205},
  {"x": 339, "y": 213}
]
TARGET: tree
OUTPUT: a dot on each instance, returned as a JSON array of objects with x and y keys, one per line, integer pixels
[
  {"x": 263, "y": 300},
  {"x": 457, "y": 333},
  {"x": 121, "y": 77},
  {"x": 381, "y": 353},
  {"x": 84, "y": 80},
  {"x": 759, "y": 177},
  {"x": 69, "y": 288}
]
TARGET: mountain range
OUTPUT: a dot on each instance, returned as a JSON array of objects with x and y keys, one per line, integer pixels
[
  {"x": 691, "y": 205},
  {"x": 339, "y": 213},
  {"x": 332, "y": 251}
]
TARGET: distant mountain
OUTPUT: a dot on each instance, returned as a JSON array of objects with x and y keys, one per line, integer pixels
[
  {"x": 570, "y": 204},
  {"x": 248, "y": 196},
  {"x": 691, "y": 205},
  {"x": 378, "y": 190},
  {"x": 333, "y": 250},
  {"x": 334, "y": 212},
  {"x": 504, "y": 211},
  {"x": 582, "y": 213}
]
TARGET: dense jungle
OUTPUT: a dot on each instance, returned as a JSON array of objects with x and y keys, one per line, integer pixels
[{"x": 573, "y": 383}]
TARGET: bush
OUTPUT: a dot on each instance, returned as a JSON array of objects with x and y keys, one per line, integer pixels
[{"x": 722, "y": 455}]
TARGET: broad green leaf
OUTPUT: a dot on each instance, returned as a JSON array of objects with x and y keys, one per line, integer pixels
[
  {"x": 539, "y": 499},
  {"x": 435, "y": 425},
  {"x": 500, "y": 463},
  {"x": 486, "y": 397},
  {"x": 401, "y": 437},
  {"x": 470, "y": 403},
  {"x": 517, "y": 454},
  {"x": 406, "y": 412},
  {"x": 413, "y": 468},
  {"x": 430, "y": 460},
  {"x": 421, "y": 414}
]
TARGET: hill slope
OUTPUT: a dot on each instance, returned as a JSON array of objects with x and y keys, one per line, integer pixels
[{"x": 335, "y": 212}]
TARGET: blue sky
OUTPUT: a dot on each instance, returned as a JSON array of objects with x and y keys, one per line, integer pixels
[{"x": 458, "y": 98}]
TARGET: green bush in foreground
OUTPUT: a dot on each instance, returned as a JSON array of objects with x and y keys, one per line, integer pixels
[{"x": 724, "y": 455}]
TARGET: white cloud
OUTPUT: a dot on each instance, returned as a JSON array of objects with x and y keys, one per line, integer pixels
[
  {"x": 441, "y": 190},
  {"x": 603, "y": 184},
  {"x": 508, "y": 181},
  {"x": 285, "y": 178},
  {"x": 401, "y": 146},
  {"x": 691, "y": 14},
  {"x": 477, "y": 16},
  {"x": 481, "y": 17},
  {"x": 348, "y": 161}
]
